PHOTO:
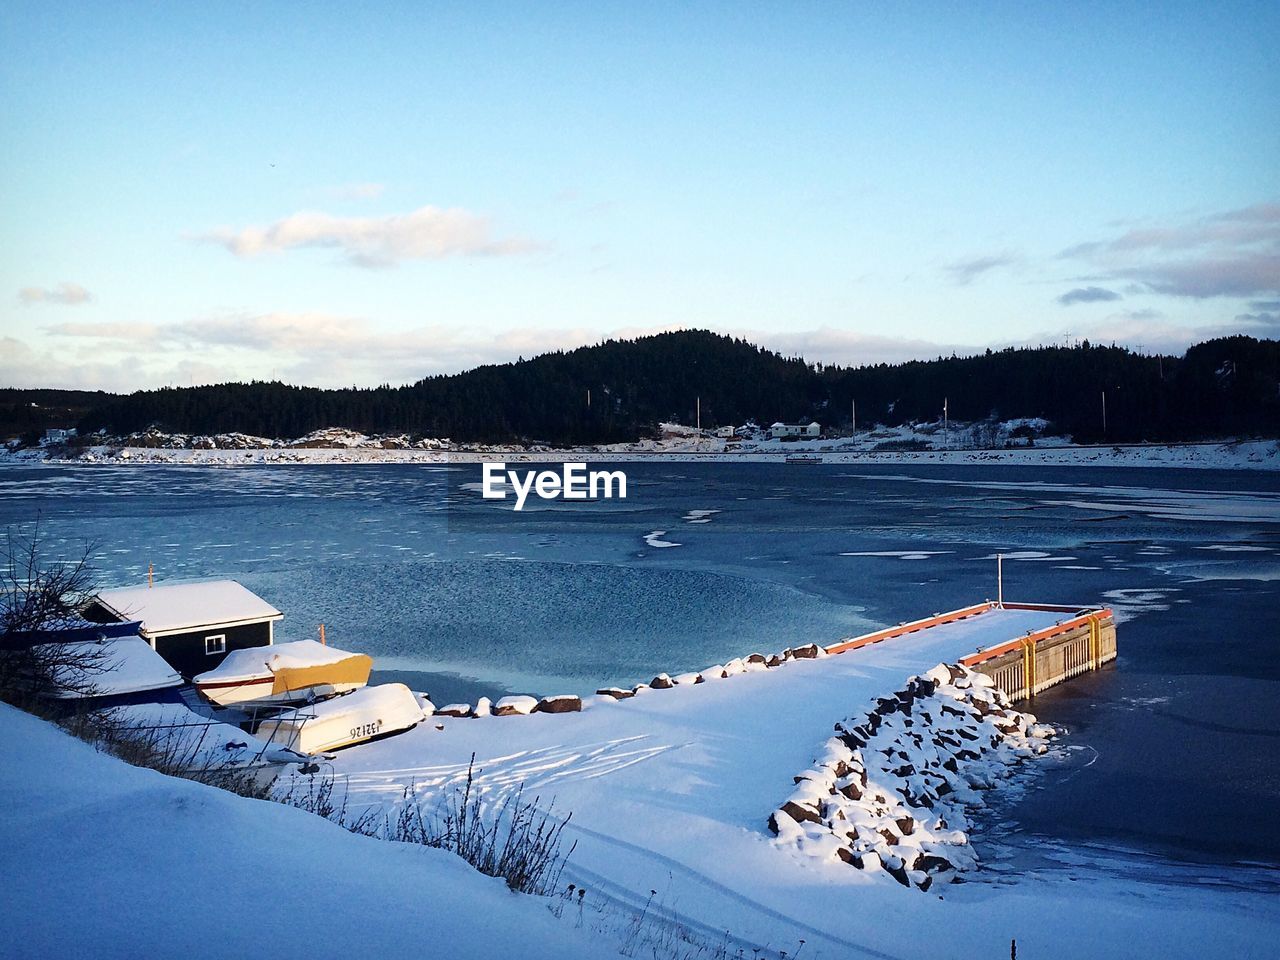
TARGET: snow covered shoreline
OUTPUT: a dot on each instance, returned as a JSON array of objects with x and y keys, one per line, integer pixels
[
  {"x": 1224, "y": 455},
  {"x": 1015, "y": 442}
]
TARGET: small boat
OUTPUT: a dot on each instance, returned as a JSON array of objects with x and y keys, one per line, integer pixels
[
  {"x": 284, "y": 673},
  {"x": 804, "y": 458},
  {"x": 346, "y": 720}
]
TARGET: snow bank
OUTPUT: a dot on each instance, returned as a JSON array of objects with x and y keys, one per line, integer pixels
[
  {"x": 113, "y": 861},
  {"x": 892, "y": 791}
]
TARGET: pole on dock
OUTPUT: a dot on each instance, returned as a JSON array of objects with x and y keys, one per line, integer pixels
[
  {"x": 999, "y": 579},
  {"x": 322, "y": 640},
  {"x": 151, "y": 575}
]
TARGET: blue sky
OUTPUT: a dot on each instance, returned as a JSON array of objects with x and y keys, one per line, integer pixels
[{"x": 359, "y": 193}]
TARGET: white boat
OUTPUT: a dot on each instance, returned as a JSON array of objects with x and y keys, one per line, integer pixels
[
  {"x": 284, "y": 673},
  {"x": 342, "y": 721}
]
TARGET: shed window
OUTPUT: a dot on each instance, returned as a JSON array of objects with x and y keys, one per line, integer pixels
[{"x": 215, "y": 644}]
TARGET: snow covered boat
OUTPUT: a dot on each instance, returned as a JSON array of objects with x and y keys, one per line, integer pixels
[
  {"x": 804, "y": 458},
  {"x": 284, "y": 673},
  {"x": 342, "y": 721}
]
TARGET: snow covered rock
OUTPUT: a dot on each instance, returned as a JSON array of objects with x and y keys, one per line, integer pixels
[
  {"x": 515, "y": 706},
  {"x": 893, "y": 790},
  {"x": 618, "y": 693},
  {"x": 564, "y": 703},
  {"x": 455, "y": 710},
  {"x": 662, "y": 682}
]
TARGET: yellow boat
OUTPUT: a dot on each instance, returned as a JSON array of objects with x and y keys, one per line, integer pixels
[{"x": 284, "y": 673}]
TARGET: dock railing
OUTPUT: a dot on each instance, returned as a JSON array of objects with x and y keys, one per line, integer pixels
[{"x": 1023, "y": 666}]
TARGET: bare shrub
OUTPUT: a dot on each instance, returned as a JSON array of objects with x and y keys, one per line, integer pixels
[
  {"x": 321, "y": 794},
  {"x": 520, "y": 842},
  {"x": 177, "y": 750},
  {"x": 39, "y": 595}
]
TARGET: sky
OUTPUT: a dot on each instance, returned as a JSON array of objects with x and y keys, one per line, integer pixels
[{"x": 365, "y": 193}]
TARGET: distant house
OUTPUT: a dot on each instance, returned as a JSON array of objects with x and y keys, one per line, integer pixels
[
  {"x": 57, "y": 435},
  {"x": 192, "y": 625},
  {"x": 725, "y": 433},
  {"x": 808, "y": 431}
]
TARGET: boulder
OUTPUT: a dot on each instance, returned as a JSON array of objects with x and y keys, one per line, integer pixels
[
  {"x": 662, "y": 682},
  {"x": 618, "y": 693},
  {"x": 895, "y": 869},
  {"x": 778, "y": 820},
  {"x": 515, "y": 706},
  {"x": 851, "y": 790},
  {"x": 807, "y": 652},
  {"x": 564, "y": 703},
  {"x": 455, "y": 710},
  {"x": 932, "y": 863},
  {"x": 801, "y": 813}
]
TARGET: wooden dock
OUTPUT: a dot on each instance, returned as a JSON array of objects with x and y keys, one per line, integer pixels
[{"x": 1081, "y": 640}]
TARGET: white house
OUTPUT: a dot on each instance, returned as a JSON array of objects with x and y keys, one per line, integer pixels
[
  {"x": 810, "y": 430},
  {"x": 56, "y": 435}
]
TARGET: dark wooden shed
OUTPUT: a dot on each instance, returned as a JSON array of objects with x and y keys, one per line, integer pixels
[{"x": 192, "y": 625}]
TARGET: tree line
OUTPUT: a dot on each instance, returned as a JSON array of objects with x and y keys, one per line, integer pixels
[{"x": 620, "y": 390}]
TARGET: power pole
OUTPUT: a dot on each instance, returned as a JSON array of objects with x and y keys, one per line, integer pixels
[
  {"x": 946, "y": 437},
  {"x": 1104, "y": 414},
  {"x": 699, "y": 412},
  {"x": 588, "y": 398},
  {"x": 853, "y": 416}
]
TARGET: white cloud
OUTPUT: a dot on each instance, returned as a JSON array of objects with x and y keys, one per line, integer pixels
[
  {"x": 66, "y": 294},
  {"x": 428, "y": 233},
  {"x": 314, "y": 348},
  {"x": 1231, "y": 254},
  {"x": 1088, "y": 295},
  {"x": 963, "y": 272},
  {"x": 326, "y": 350}
]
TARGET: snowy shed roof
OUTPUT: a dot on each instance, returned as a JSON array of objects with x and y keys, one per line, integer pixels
[{"x": 175, "y": 607}]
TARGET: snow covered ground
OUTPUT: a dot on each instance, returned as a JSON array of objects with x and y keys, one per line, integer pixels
[
  {"x": 670, "y": 792},
  {"x": 106, "y": 860}
]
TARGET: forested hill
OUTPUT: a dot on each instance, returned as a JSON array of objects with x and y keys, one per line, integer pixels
[{"x": 620, "y": 389}]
